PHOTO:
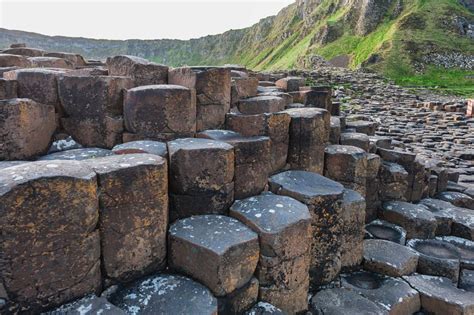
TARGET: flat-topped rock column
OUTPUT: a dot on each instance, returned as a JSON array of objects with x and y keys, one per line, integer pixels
[
  {"x": 274, "y": 125},
  {"x": 226, "y": 249},
  {"x": 50, "y": 212},
  {"x": 142, "y": 71},
  {"x": 26, "y": 128},
  {"x": 284, "y": 228},
  {"x": 309, "y": 133},
  {"x": 40, "y": 85},
  {"x": 261, "y": 105},
  {"x": 372, "y": 186},
  {"x": 93, "y": 108},
  {"x": 144, "y": 146},
  {"x": 201, "y": 177},
  {"x": 159, "y": 112},
  {"x": 213, "y": 93},
  {"x": 252, "y": 159},
  {"x": 165, "y": 294},
  {"x": 11, "y": 60},
  {"x": 353, "y": 218},
  {"x": 323, "y": 198},
  {"x": 393, "y": 179},
  {"x": 290, "y": 84},
  {"x": 133, "y": 197},
  {"x": 243, "y": 86},
  {"x": 347, "y": 165}
]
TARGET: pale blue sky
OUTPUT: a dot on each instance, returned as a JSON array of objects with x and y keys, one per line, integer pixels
[{"x": 143, "y": 19}]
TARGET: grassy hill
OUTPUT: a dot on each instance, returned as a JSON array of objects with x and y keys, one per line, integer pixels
[{"x": 414, "y": 42}]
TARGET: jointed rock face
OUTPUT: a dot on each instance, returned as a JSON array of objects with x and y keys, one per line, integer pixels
[{"x": 133, "y": 188}]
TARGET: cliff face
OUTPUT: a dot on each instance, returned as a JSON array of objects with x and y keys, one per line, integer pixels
[{"x": 380, "y": 34}]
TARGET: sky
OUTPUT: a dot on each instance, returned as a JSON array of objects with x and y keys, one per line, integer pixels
[{"x": 142, "y": 19}]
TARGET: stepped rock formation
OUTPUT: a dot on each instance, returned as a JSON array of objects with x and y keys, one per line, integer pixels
[{"x": 129, "y": 187}]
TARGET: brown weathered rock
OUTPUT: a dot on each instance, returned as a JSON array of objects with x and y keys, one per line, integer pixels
[
  {"x": 213, "y": 93},
  {"x": 8, "y": 89},
  {"x": 9, "y": 60},
  {"x": 50, "y": 62},
  {"x": 142, "y": 71},
  {"x": 290, "y": 301},
  {"x": 261, "y": 105},
  {"x": 252, "y": 157},
  {"x": 133, "y": 196},
  {"x": 323, "y": 198},
  {"x": 200, "y": 169},
  {"x": 360, "y": 140},
  {"x": 240, "y": 300},
  {"x": 40, "y": 85},
  {"x": 309, "y": 133},
  {"x": 335, "y": 132},
  {"x": 93, "y": 108},
  {"x": 393, "y": 180},
  {"x": 372, "y": 186},
  {"x": 275, "y": 126},
  {"x": 290, "y": 84},
  {"x": 50, "y": 214},
  {"x": 26, "y": 128},
  {"x": 24, "y": 51},
  {"x": 353, "y": 218},
  {"x": 226, "y": 249},
  {"x": 362, "y": 126},
  {"x": 76, "y": 59},
  {"x": 347, "y": 165},
  {"x": 160, "y": 112}
]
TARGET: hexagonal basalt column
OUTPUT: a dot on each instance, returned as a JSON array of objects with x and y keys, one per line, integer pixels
[
  {"x": 201, "y": 177},
  {"x": 213, "y": 93},
  {"x": 389, "y": 258},
  {"x": 160, "y": 112},
  {"x": 261, "y": 105},
  {"x": 8, "y": 89},
  {"x": 40, "y": 85},
  {"x": 353, "y": 217},
  {"x": 417, "y": 220},
  {"x": 166, "y": 294},
  {"x": 49, "y": 218},
  {"x": 437, "y": 258},
  {"x": 284, "y": 228},
  {"x": 394, "y": 295},
  {"x": 360, "y": 140},
  {"x": 93, "y": 108},
  {"x": 347, "y": 165},
  {"x": 226, "y": 249},
  {"x": 383, "y": 230},
  {"x": 26, "y": 128},
  {"x": 142, "y": 71},
  {"x": 439, "y": 295},
  {"x": 145, "y": 146},
  {"x": 133, "y": 196},
  {"x": 374, "y": 163},
  {"x": 275, "y": 126},
  {"x": 393, "y": 180},
  {"x": 77, "y": 154},
  {"x": 323, "y": 198},
  {"x": 252, "y": 158},
  {"x": 290, "y": 84},
  {"x": 309, "y": 133}
]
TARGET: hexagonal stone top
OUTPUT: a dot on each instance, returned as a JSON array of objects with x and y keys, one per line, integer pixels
[
  {"x": 230, "y": 136},
  {"x": 307, "y": 112},
  {"x": 270, "y": 213},
  {"x": 409, "y": 210},
  {"x": 465, "y": 249},
  {"x": 116, "y": 162},
  {"x": 88, "y": 305},
  {"x": 380, "y": 229},
  {"x": 305, "y": 186},
  {"x": 77, "y": 154},
  {"x": 24, "y": 173},
  {"x": 216, "y": 233},
  {"x": 166, "y": 294},
  {"x": 196, "y": 144},
  {"x": 344, "y": 149},
  {"x": 144, "y": 146}
]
